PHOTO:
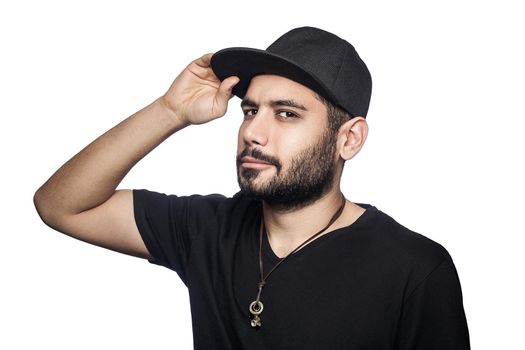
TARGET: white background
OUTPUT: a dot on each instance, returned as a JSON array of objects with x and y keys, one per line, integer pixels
[{"x": 444, "y": 155}]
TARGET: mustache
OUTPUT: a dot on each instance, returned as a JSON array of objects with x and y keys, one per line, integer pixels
[{"x": 259, "y": 155}]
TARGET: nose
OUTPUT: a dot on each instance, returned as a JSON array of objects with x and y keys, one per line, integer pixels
[{"x": 255, "y": 131}]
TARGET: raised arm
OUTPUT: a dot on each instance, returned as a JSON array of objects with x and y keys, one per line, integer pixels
[{"x": 80, "y": 199}]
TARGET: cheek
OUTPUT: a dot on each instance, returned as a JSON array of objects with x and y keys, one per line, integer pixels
[
  {"x": 288, "y": 150},
  {"x": 296, "y": 143},
  {"x": 240, "y": 140},
  {"x": 290, "y": 143}
]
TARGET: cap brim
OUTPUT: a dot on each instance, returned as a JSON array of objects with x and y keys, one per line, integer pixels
[{"x": 246, "y": 63}]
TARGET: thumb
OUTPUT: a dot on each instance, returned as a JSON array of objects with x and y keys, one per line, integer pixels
[
  {"x": 225, "y": 93},
  {"x": 227, "y": 85}
]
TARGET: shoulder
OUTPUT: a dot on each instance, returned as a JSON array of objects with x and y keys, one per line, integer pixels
[
  {"x": 402, "y": 241},
  {"x": 410, "y": 253},
  {"x": 192, "y": 204}
]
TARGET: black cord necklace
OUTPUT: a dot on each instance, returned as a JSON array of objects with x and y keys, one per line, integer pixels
[{"x": 256, "y": 307}]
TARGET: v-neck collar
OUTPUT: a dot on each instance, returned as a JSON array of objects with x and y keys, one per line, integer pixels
[{"x": 273, "y": 258}]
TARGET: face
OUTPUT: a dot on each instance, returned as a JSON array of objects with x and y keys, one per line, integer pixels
[{"x": 286, "y": 153}]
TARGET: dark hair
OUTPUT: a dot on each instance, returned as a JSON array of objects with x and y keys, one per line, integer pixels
[{"x": 336, "y": 115}]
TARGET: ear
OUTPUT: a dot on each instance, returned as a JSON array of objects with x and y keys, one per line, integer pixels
[{"x": 351, "y": 137}]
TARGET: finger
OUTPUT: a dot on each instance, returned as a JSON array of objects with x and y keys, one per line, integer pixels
[
  {"x": 224, "y": 94},
  {"x": 227, "y": 85},
  {"x": 204, "y": 60}
]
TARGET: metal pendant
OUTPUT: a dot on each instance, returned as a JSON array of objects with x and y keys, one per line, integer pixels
[{"x": 256, "y": 307}]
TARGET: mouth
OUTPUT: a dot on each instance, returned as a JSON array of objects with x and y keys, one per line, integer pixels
[
  {"x": 254, "y": 159},
  {"x": 254, "y": 163}
]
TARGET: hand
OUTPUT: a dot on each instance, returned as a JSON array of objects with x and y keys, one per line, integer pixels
[{"x": 197, "y": 96}]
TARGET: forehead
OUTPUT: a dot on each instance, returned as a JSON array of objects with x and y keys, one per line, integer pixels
[{"x": 267, "y": 87}]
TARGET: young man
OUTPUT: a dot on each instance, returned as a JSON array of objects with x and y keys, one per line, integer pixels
[{"x": 288, "y": 262}]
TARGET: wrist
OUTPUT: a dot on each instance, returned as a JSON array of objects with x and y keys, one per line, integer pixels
[{"x": 171, "y": 114}]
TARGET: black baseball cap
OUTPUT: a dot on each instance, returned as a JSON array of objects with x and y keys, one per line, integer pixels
[{"x": 310, "y": 56}]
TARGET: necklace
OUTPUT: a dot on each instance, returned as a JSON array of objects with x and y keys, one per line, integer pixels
[{"x": 256, "y": 307}]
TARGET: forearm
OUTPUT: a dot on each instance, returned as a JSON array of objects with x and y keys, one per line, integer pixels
[{"x": 91, "y": 176}]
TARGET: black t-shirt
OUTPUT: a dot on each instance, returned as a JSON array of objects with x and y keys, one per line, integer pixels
[{"x": 371, "y": 285}]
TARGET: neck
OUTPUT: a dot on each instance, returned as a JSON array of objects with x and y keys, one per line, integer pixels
[{"x": 288, "y": 229}]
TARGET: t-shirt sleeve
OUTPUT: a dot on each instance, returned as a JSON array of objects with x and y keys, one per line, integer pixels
[
  {"x": 162, "y": 221},
  {"x": 433, "y": 316}
]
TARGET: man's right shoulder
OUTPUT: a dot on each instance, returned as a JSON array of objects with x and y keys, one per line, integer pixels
[{"x": 214, "y": 201}]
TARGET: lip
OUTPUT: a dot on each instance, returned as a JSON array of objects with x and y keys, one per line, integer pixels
[{"x": 249, "y": 162}]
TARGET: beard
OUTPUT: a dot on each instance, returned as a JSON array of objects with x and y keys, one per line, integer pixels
[{"x": 309, "y": 176}]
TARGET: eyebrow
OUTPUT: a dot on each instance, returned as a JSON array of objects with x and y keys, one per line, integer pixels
[{"x": 247, "y": 102}]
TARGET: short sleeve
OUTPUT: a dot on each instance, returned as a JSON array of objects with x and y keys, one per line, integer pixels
[
  {"x": 162, "y": 221},
  {"x": 433, "y": 316}
]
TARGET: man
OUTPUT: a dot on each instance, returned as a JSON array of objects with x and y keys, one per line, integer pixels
[{"x": 288, "y": 262}]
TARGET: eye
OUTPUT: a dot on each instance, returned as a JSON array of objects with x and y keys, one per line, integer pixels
[
  {"x": 287, "y": 114},
  {"x": 249, "y": 112}
]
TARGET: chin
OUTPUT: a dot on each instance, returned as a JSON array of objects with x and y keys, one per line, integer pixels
[{"x": 253, "y": 185}]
